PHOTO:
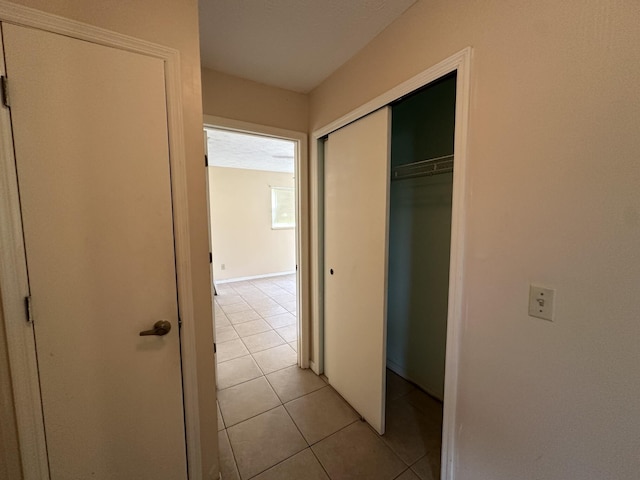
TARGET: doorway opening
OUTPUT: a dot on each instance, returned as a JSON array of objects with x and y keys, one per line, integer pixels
[{"x": 253, "y": 221}]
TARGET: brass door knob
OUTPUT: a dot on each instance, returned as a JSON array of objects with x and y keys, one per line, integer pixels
[{"x": 160, "y": 328}]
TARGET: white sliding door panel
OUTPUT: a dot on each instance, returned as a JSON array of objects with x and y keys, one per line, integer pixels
[
  {"x": 91, "y": 147},
  {"x": 356, "y": 225}
]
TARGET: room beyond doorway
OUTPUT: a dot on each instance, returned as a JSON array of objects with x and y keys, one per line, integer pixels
[
  {"x": 254, "y": 212},
  {"x": 252, "y": 205}
]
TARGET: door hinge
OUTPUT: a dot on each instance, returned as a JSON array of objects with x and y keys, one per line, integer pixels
[
  {"x": 206, "y": 160},
  {"x": 210, "y": 257},
  {"x": 27, "y": 309},
  {"x": 215, "y": 349},
  {"x": 5, "y": 91},
  {"x": 179, "y": 322}
]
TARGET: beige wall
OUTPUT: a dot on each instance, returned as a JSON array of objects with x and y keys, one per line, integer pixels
[
  {"x": 174, "y": 24},
  {"x": 239, "y": 99},
  {"x": 243, "y": 239},
  {"x": 554, "y": 199}
]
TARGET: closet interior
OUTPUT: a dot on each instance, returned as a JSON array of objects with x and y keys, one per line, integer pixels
[{"x": 421, "y": 185}]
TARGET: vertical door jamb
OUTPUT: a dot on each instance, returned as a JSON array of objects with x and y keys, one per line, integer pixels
[{"x": 302, "y": 225}]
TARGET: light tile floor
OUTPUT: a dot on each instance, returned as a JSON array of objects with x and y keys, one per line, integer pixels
[{"x": 279, "y": 422}]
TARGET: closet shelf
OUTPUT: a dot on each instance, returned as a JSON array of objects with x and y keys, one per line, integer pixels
[{"x": 423, "y": 168}]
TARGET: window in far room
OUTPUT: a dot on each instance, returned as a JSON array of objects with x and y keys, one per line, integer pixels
[{"x": 282, "y": 207}]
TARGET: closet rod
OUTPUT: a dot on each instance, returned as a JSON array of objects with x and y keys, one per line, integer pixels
[{"x": 423, "y": 168}]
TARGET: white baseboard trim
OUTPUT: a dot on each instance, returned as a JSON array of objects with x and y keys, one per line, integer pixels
[
  {"x": 396, "y": 368},
  {"x": 255, "y": 277}
]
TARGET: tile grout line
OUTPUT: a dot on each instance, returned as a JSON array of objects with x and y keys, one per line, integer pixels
[
  {"x": 252, "y": 416},
  {"x": 233, "y": 454},
  {"x": 299, "y": 431},
  {"x": 259, "y": 367},
  {"x": 320, "y": 463}
]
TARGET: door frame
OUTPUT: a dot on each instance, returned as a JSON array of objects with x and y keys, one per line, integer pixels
[
  {"x": 459, "y": 62},
  {"x": 13, "y": 273},
  {"x": 302, "y": 216}
]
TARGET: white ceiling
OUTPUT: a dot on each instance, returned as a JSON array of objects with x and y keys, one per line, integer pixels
[
  {"x": 251, "y": 152},
  {"x": 292, "y": 44}
]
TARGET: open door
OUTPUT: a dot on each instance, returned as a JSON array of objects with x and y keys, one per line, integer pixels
[{"x": 356, "y": 221}]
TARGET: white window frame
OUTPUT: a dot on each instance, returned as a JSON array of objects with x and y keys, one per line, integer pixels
[{"x": 274, "y": 205}]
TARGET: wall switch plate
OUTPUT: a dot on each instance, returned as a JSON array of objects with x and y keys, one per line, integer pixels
[{"x": 541, "y": 302}]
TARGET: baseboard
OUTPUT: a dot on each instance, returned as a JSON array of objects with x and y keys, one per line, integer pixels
[{"x": 254, "y": 277}]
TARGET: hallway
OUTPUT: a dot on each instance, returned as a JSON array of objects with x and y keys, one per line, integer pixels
[{"x": 277, "y": 421}]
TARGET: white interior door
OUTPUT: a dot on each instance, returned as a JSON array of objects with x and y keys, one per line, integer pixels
[
  {"x": 91, "y": 146},
  {"x": 356, "y": 219}
]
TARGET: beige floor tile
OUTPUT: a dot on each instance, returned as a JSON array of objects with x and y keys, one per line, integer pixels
[
  {"x": 303, "y": 465},
  {"x": 247, "y": 291},
  {"x": 321, "y": 413},
  {"x": 263, "y": 441},
  {"x": 293, "y": 382},
  {"x": 236, "y": 307},
  {"x": 236, "y": 371},
  {"x": 221, "y": 320},
  {"x": 261, "y": 302},
  {"x": 288, "y": 333},
  {"x": 270, "y": 310},
  {"x": 294, "y": 345},
  {"x": 224, "y": 334},
  {"x": 397, "y": 386},
  {"x": 408, "y": 431},
  {"x": 279, "y": 321},
  {"x": 220, "y": 419},
  {"x": 290, "y": 306},
  {"x": 408, "y": 475},
  {"x": 272, "y": 290},
  {"x": 275, "y": 358},
  {"x": 428, "y": 467},
  {"x": 263, "y": 341},
  {"x": 425, "y": 403},
  {"x": 290, "y": 288},
  {"x": 255, "y": 294},
  {"x": 241, "y": 317},
  {"x": 252, "y": 327},
  {"x": 225, "y": 289},
  {"x": 228, "y": 299},
  {"x": 357, "y": 452},
  {"x": 283, "y": 297},
  {"x": 231, "y": 349},
  {"x": 246, "y": 400},
  {"x": 228, "y": 467}
]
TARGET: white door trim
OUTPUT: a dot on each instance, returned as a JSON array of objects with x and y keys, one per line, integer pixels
[
  {"x": 13, "y": 280},
  {"x": 460, "y": 62},
  {"x": 302, "y": 216}
]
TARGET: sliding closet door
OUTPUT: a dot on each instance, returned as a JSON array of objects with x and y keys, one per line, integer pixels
[{"x": 356, "y": 220}]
